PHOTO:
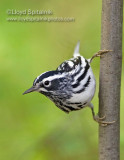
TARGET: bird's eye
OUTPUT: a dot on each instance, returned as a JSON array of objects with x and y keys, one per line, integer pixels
[{"x": 47, "y": 83}]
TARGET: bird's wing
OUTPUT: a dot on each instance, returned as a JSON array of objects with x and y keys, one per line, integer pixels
[{"x": 69, "y": 65}]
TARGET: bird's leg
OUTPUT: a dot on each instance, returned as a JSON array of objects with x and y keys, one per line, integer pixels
[
  {"x": 99, "y": 53},
  {"x": 98, "y": 119}
]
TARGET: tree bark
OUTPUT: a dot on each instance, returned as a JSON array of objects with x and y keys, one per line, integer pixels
[{"x": 110, "y": 79}]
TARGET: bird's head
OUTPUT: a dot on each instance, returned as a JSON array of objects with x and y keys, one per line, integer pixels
[{"x": 51, "y": 83}]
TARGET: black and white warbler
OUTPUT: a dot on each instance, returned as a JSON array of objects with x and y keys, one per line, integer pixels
[{"x": 71, "y": 86}]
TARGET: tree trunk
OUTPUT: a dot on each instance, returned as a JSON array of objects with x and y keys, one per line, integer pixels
[{"x": 110, "y": 79}]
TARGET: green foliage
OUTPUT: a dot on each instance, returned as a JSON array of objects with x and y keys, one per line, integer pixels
[{"x": 31, "y": 127}]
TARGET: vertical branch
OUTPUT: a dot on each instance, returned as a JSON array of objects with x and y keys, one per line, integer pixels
[{"x": 110, "y": 79}]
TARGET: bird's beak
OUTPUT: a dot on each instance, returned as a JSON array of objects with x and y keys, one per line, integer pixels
[{"x": 32, "y": 89}]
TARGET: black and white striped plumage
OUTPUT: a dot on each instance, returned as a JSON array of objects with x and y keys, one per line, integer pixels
[{"x": 71, "y": 86}]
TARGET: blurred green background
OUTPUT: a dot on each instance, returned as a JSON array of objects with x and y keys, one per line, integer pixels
[{"x": 31, "y": 126}]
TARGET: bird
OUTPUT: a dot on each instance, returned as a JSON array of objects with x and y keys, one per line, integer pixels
[{"x": 72, "y": 85}]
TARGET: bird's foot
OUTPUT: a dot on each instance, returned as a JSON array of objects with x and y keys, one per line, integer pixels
[
  {"x": 101, "y": 121},
  {"x": 99, "y": 53}
]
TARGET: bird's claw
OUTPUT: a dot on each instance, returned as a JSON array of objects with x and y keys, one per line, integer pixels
[
  {"x": 100, "y": 118},
  {"x": 101, "y": 121},
  {"x": 99, "y": 54}
]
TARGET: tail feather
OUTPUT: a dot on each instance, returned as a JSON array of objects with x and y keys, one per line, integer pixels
[{"x": 76, "y": 50}]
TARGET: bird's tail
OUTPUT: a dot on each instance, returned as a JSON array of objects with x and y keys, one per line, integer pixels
[{"x": 76, "y": 50}]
